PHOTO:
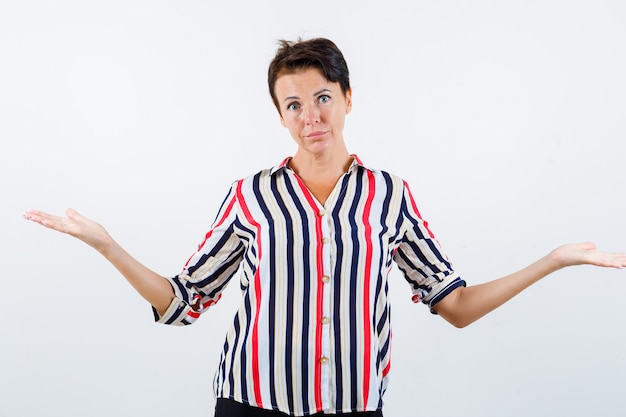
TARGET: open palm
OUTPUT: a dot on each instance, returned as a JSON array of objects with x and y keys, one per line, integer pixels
[
  {"x": 587, "y": 254},
  {"x": 74, "y": 224}
]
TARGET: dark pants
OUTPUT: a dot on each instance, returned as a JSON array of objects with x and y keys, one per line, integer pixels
[{"x": 230, "y": 408}]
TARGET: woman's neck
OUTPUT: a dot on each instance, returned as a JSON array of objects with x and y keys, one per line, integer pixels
[
  {"x": 313, "y": 166},
  {"x": 321, "y": 174}
]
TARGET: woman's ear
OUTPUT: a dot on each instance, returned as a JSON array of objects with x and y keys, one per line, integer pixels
[{"x": 348, "y": 101}]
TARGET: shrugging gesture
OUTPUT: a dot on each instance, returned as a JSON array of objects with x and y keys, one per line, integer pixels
[{"x": 319, "y": 229}]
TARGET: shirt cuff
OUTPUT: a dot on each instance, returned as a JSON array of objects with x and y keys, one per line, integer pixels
[
  {"x": 447, "y": 289},
  {"x": 179, "y": 312}
]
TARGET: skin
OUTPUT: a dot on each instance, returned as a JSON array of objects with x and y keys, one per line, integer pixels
[
  {"x": 314, "y": 111},
  {"x": 466, "y": 305}
]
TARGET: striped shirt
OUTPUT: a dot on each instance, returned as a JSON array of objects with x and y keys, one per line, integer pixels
[{"x": 313, "y": 330}]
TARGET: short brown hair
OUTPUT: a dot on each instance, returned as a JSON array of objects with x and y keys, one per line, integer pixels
[{"x": 318, "y": 53}]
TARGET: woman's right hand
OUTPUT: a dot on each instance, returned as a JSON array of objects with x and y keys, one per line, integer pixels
[
  {"x": 76, "y": 225},
  {"x": 152, "y": 286}
]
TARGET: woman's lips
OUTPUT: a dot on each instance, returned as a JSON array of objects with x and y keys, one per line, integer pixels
[{"x": 315, "y": 135}]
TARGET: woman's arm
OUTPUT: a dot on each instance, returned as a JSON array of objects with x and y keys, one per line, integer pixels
[
  {"x": 463, "y": 306},
  {"x": 150, "y": 285}
]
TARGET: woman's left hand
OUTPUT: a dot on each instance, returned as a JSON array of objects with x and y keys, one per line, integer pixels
[
  {"x": 586, "y": 254},
  {"x": 465, "y": 305}
]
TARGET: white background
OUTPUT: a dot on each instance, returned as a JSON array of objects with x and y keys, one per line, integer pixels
[{"x": 506, "y": 117}]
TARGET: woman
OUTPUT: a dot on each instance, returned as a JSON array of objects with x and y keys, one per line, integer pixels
[{"x": 315, "y": 237}]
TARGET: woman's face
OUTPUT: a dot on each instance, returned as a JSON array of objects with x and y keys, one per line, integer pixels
[{"x": 313, "y": 109}]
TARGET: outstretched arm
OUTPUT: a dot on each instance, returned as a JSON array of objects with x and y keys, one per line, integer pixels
[
  {"x": 150, "y": 285},
  {"x": 465, "y": 305}
]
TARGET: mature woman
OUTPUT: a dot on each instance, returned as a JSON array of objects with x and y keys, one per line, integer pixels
[{"x": 315, "y": 238}]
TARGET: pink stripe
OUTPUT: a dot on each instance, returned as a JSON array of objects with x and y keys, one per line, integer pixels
[
  {"x": 357, "y": 159},
  {"x": 320, "y": 294},
  {"x": 211, "y": 302},
  {"x": 366, "y": 291},
  {"x": 256, "y": 380},
  {"x": 284, "y": 163},
  {"x": 388, "y": 367},
  {"x": 210, "y": 232},
  {"x": 406, "y": 185}
]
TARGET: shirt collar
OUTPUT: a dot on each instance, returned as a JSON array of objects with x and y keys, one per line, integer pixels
[{"x": 356, "y": 162}]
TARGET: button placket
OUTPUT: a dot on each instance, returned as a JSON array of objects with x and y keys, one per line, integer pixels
[{"x": 325, "y": 321}]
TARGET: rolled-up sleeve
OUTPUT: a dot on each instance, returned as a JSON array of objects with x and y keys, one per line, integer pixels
[
  {"x": 207, "y": 272},
  {"x": 421, "y": 259}
]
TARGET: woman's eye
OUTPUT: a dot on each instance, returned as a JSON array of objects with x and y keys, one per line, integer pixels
[
  {"x": 293, "y": 106},
  {"x": 324, "y": 99}
]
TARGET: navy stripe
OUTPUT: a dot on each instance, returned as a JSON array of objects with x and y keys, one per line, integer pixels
[
  {"x": 338, "y": 323},
  {"x": 354, "y": 285},
  {"x": 417, "y": 228},
  {"x": 381, "y": 279},
  {"x": 415, "y": 249},
  {"x": 453, "y": 286},
  {"x": 215, "y": 250},
  {"x": 290, "y": 305},
  {"x": 225, "y": 272},
  {"x": 237, "y": 329},
  {"x": 181, "y": 286},
  {"x": 246, "y": 337},
  {"x": 271, "y": 252},
  {"x": 306, "y": 293}
]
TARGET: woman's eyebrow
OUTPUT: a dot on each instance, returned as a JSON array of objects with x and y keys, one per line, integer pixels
[{"x": 323, "y": 90}]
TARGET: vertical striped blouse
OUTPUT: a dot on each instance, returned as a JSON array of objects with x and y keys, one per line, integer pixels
[{"x": 313, "y": 330}]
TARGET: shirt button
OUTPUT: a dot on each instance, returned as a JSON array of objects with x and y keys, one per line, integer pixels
[
  {"x": 181, "y": 304},
  {"x": 323, "y": 360},
  {"x": 325, "y": 279},
  {"x": 322, "y": 212},
  {"x": 325, "y": 320},
  {"x": 326, "y": 241}
]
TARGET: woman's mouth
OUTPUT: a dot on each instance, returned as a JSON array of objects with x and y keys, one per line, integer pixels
[{"x": 316, "y": 134}]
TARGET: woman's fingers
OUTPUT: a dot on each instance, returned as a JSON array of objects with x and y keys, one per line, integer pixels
[
  {"x": 586, "y": 253},
  {"x": 592, "y": 256},
  {"x": 74, "y": 224},
  {"x": 44, "y": 219},
  {"x": 615, "y": 260}
]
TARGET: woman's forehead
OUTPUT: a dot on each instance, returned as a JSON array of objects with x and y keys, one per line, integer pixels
[{"x": 308, "y": 80}]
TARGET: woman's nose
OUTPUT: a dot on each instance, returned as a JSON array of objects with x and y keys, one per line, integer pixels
[{"x": 311, "y": 114}]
